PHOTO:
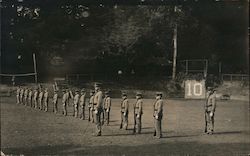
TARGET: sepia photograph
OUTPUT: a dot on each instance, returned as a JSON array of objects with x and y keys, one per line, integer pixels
[{"x": 124, "y": 77}]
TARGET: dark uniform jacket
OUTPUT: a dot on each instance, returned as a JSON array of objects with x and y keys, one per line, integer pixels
[{"x": 210, "y": 104}]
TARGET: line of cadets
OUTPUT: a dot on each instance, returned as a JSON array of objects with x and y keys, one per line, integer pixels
[{"x": 98, "y": 107}]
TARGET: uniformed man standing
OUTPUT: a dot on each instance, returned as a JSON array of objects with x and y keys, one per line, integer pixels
[
  {"x": 138, "y": 112},
  {"x": 64, "y": 103},
  {"x": 158, "y": 113},
  {"x": 35, "y": 98},
  {"x": 21, "y": 95},
  {"x": 26, "y": 92},
  {"x": 30, "y": 97},
  {"x": 55, "y": 101},
  {"x": 210, "y": 107},
  {"x": 124, "y": 111},
  {"x": 91, "y": 106},
  {"x": 40, "y": 99},
  {"x": 107, "y": 107},
  {"x": 70, "y": 96},
  {"x": 46, "y": 99},
  {"x": 76, "y": 103},
  {"x": 98, "y": 106},
  {"x": 82, "y": 103},
  {"x": 18, "y": 90}
]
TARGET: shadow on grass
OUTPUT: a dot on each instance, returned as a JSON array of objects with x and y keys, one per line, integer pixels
[
  {"x": 173, "y": 148},
  {"x": 228, "y": 132}
]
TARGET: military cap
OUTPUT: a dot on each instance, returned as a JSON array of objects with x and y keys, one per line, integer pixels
[
  {"x": 210, "y": 88},
  {"x": 83, "y": 90},
  {"x": 139, "y": 93},
  {"x": 107, "y": 92},
  {"x": 76, "y": 90},
  {"x": 63, "y": 90},
  {"x": 124, "y": 94},
  {"x": 159, "y": 93}
]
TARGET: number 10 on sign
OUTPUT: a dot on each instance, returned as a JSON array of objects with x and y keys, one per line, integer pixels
[{"x": 194, "y": 89}]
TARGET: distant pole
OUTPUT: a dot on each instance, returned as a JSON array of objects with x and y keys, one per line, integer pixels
[
  {"x": 220, "y": 77},
  {"x": 186, "y": 66},
  {"x": 175, "y": 48},
  {"x": 219, "y": 68},
  {"x": 206, "y": 68},
  {"x": 34, "y": 63},
  {"x": 0, "y": 57},
  {"x": 175, "y": 52}
]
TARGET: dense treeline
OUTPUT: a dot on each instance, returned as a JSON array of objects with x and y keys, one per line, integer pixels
[{"x": 104, "y": 38}]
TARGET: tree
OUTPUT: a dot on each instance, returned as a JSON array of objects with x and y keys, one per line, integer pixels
[{"x": 136, "y": 24}]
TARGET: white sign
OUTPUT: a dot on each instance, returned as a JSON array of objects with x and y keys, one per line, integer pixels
[{"x": 195, "y": 89}]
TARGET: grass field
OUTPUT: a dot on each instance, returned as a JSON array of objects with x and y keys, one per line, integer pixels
[{"x": 26, "y": 131}]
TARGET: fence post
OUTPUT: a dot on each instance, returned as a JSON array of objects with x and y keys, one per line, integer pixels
[{"x": 186, "y": 66}]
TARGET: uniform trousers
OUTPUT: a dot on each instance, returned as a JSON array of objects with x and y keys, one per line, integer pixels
[{"x": 209, "y": 121}]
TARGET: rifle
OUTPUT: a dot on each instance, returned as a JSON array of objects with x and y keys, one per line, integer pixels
[
  {"x": 55, "y": 86},
  {"x": 205, "y": 122},
  {"x": 39, "y": 86},
  {"x": 134, "y": 130},
  {"x": 121, "y": 124}
]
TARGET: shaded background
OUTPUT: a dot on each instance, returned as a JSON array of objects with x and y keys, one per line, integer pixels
[{"x": 96, "y": 38}]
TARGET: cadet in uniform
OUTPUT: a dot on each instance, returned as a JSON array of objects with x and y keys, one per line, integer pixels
[
  {"x": 21, "y": 95},
  {"x": 158, "y": 113},
  {"x": 46, "y": 99},
  {"x": 98, "y": 106},
  {"x": 55, "y": 101},
  {"x": 64, "y": 103},
  {"x": 91, "y": 106},
  {"x": 210, "y": 107},
  {"x": 30, "y": 97},
  {"x": 138, "y": 112},
  {"x": 67, "y": 97},
  {"x": 35, "y": 98},
  {"x": 40, "y": 99},
  {"x": 26, "y": 92},
  {"x": 107, "y": 107},
  {"x": 124, "y": 111},
  {"x": 82, "y": 103},
  {"x": 18, "y": 95},
  {"x": 71, "y": 96},
  {"x": 76, "y": 103}
]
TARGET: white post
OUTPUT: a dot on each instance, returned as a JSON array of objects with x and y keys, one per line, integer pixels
[
  {"x": 175, "y": 52},
  {"x": 175, "y": 48},
  {"x": 206, "y": 68},
  {"x": 34, "y": 63},
  {"x": 186, "y": 66}
]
